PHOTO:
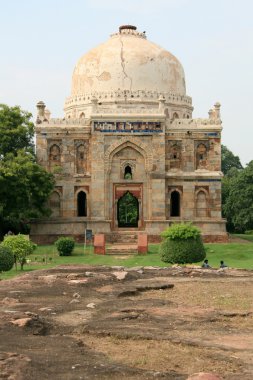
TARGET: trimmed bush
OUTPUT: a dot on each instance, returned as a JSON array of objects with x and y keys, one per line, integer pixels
[
  {"x": 20, "y": 247},
  {"x": 65, "y": 246},
  {"x": 6, "y": 259},
  {"x": 182, "y": 244}
]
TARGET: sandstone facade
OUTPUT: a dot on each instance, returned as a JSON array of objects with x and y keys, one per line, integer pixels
[{"x": 128, "y": 129}]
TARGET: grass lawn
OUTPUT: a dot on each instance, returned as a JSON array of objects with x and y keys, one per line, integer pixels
[
  {"x": 244, "y": 237},
  {"x": 235, "y": 255}
]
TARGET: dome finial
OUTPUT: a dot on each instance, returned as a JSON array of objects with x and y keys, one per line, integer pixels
[{"x": 122, "y": 27}]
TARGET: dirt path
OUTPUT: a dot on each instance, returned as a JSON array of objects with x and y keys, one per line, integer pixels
[{"x": 141, "y": 323}]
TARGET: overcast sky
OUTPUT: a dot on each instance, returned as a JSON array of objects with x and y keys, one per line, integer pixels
[{"x": 41, "y": 42}]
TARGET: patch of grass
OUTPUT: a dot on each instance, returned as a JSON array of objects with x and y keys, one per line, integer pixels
[
  {"x": 235, "y": 255},
  {"x": 244, "y": 237}
]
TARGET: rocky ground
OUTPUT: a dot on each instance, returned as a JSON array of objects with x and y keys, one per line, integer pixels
[{"x": 82, "y": 322}]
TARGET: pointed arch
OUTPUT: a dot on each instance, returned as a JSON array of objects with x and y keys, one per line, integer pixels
[
  {"x": 201, "y": 202},
  {"x": 139, "y": 146},
  {"x": 201, "y": 156},
  {"x": 80, "y": 159},
  {"x": 55, "y": 204}
]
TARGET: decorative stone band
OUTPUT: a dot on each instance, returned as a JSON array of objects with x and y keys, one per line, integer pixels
[
  {"x": 177, "y": 123},
  {"x": 126, "y": 95},
  {"x": 127, "y": 126},
  {"x": 70, "y": 121}
]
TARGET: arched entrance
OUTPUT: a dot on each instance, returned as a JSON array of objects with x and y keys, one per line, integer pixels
[{"x": 128, "y": 211}]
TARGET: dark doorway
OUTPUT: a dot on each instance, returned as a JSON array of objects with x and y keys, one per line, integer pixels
[
  {"x": 81, "y": 204},
  {"x": 175, "y": 203},
  {"x": 128, "y": 211}
]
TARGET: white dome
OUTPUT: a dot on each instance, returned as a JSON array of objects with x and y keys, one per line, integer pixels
[{"x": 127, "y": 61}]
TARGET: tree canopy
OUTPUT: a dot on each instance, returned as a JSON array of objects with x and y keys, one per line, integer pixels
[
  {"x": 229, "y": 160},
  {"x": 24, "y": 185},
  {"x": 238, "y": 199},
  {"x": 16, "y": 130}
]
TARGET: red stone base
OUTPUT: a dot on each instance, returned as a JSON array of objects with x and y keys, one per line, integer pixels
[
  {"x": 142, "y": 244},
  {"x": 50, "y": 239},
  {"x": 215, "y": 238},
  {"x": 99, "y": 244}
]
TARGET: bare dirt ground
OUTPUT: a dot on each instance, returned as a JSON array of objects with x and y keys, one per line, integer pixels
[{"x": 82, "y": 322}]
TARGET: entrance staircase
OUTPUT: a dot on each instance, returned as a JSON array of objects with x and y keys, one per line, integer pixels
[{"x": 122, "y": 243}]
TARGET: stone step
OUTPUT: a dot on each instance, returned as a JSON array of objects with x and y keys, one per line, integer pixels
[
  {"x": 124, "y": 238},
  {"x": 122, "y": 249}
]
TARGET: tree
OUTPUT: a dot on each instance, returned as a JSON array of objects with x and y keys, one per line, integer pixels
[
  {"x": 229, "y": 160},
  {"x": 20, "y": 246},
  {"x": 24, "y": 185},
  {"x": 238, "y": 206},
  {"x": 231, "y": 166},
  {"x": 16, "y": 130}
]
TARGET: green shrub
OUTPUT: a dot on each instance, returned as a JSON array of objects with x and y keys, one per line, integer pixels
[
  {"x": 182, "y": 244},
  {"x": 20, "y": 247},
  {"x": 181, "y": 231},
  {"x": 65, "y": 246},
  {"x": 6, "y": 259}
]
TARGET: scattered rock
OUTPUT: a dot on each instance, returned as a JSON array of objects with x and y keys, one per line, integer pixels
[
  {"x": 48, "y": 279},
  {"x": 90, "y": 274},
  {"x": 31, "y": 314},
  {"x": 13, "y": 366},
  {"x": 133, "y": 269},
  {"x": 45, "y": 309},
  {"x": 74, "y": 300},
  {"x": 204, "y": 376},
  {"x": 21, "y": 322},
  {"x": 73, "y": 276},
  {"x": 80, "y": 281},
  {"x": 128, "y": 293},
  {"x": 120, "y": 275},
  {"x": 76, "y": 295},
  {"x": 10, "y": 301},
  {"x": 36, "y": 324},
  {"x": 91, "y": 305}
]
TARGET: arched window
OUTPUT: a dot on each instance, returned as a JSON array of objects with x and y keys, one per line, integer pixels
[
  {"x": 80, "y": 159},
  {"x": 54, "y": 156},
  {"x": 128, "y": 172},
  {"x": 201, "y": 204},
  {"x": 175, "y": 116},
  {"x": 201, "y": 156},
  {"x": 175, "y": 203},
  {"x": 175, "y": 156},
  {"x": 166, "y": 112},
  {"x": 82, "y": 115},
  {"x": 81, "y": 204},
  {"x": 55, "y": 204}
]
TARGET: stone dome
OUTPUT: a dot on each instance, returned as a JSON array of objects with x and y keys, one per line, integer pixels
[{"x": 128, "y": 61}]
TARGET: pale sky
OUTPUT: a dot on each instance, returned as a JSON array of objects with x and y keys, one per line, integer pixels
[{"x": 41, "y": 42}]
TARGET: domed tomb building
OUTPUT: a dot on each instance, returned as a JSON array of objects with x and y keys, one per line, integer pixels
[{"x": 128, "y": 157}]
